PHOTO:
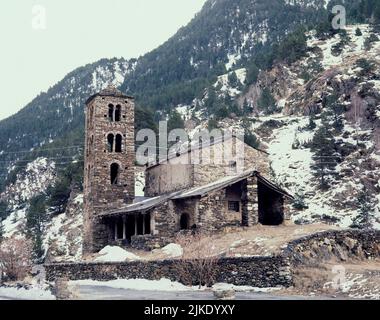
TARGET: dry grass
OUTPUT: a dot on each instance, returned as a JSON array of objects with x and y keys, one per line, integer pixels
[
  {"x": 361, "y": 280},
  {"x": 257, "y": 240}
]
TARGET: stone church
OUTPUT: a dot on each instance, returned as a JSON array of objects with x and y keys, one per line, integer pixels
[{"x": 178, "y": 197}]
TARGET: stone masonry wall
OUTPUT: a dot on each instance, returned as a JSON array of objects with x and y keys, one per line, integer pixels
[
  {"x": 99, "y": 194},
  {"x": 256, "y": 271},
  {"x": 183, "y": 172},
  {"x": 253, "y": 271},
  {"x": 250, "y": 159},
  {"x": 213, "y": 213},
  {"x": 341, "y": 245}
]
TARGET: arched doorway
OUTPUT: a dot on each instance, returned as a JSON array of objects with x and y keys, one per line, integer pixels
[{"x": 184, "y": 221}]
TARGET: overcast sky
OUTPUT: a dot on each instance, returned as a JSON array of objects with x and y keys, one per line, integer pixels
[{"x": 41, "y": 41}]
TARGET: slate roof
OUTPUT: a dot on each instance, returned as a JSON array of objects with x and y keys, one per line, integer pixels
[
  {"x": 199, "y": 146},
  {"x": 217, "y": 185},
  {"x": 144, "y": 204},
  {"x": 110, "y": 91}
]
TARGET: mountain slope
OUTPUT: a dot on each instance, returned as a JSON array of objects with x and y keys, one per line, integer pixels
[
  {"x": 57, "y": 112},
  {"x": 205, "y": 72},
  {"x": 223, "y": 36}
]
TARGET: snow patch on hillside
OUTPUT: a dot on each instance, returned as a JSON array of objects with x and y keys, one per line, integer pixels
[
  {"x": 292, "y": 170},
  {"x": 355, "y": 47},
  {"x": 226, "y": 87},
  {"x": 36, "y": 177},
  {"x": 14, "y": 224},
  {"x": 232, "y": 60},
  {"x": 102, "y": 76}
]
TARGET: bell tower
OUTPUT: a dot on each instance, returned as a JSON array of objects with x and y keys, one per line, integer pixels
[{"x": 109, "y": 161}]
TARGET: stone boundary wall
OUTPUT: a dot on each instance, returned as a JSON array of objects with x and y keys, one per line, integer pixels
[
  {"x": 254, "y": 271},
  {"x": 342, "y": 245}
]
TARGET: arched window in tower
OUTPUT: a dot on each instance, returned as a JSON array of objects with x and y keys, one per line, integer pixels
[
  {"x": 111, "y": 112},
  {"x": 118, "y": 113},
  {"x": 119, "y": 141},
  {"x": 115, "y": 171},
  {"x": 110, "y": 142}
]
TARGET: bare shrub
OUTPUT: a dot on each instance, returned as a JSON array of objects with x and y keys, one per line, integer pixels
[
  {"x": 15, "y": 259},
  {"x": 199, "y": 260}
]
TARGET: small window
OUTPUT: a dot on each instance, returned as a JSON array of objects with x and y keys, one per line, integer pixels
[
  {"x": 110, "y": 142},
  {"x": 111, "y": 111},
  {"x": 118, "y": 113},
  {"x": 119, "y": 141},
  {"x": 115, "y": 173},
  {"x": 234, "y": 206}
]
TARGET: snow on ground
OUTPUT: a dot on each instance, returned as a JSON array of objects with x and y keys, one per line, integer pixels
[
  {"x": 226, "y": 287},
  {"x": 135, "y": 284},
  {"x": 173, "y": 250},
  {"x": 115, "y": 254},
  {"x": 163, "y": 285},
  {"x": 33, "y": 293}
]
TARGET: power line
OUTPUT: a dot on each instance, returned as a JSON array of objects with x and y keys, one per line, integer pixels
[
  {"x": 56, "y": 164},
  {"x": 30, "y": 160},
  {"x": 40, "y": 150}
]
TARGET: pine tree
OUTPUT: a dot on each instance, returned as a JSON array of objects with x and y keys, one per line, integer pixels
[
  {"x": 266, "y": 102},
  {"x": 36, "y": 218},
  {"x": 4, "y": 210},
  {"x": 335, "y": 111},
  {"x": 358, "y": 32},
  {"x": 323, "y": 146},
  {"x": 252, "y": 74},
  {"x": 251, "y": 139},
  {"x": 1, "y": 231},
  {"x": 233, "y": 80},
  {"x": 175, "y": 121},
  {"x": 365, "y": 211}
]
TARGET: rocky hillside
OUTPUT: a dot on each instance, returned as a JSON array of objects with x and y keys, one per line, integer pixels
[
  {"x": 222, "y": 37},
  {"x": 305, "y": 92},
  {"x": 334, "y": 90}
]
